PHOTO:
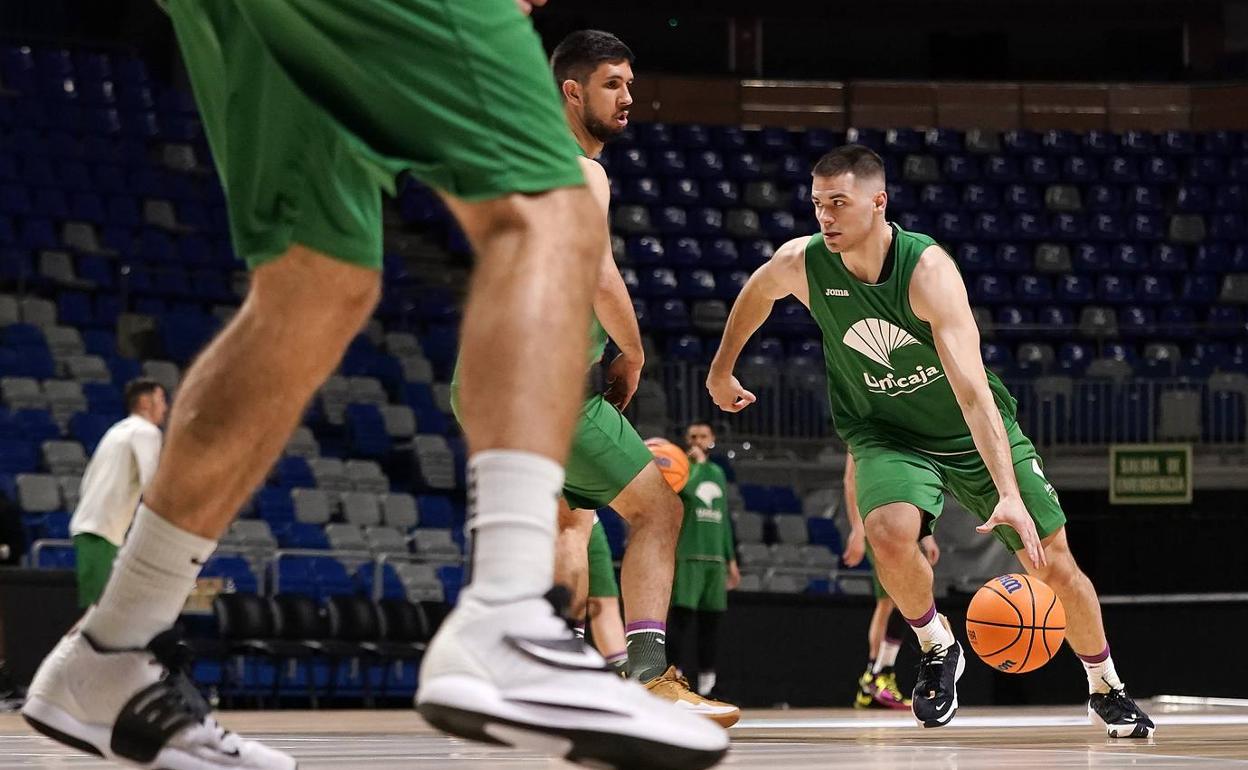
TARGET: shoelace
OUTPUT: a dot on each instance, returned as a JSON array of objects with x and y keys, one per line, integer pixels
[
  {"x": 931, "y": 665},
  {"x": 1123, "y": 702},
  {"x": 172, "y": 652}
]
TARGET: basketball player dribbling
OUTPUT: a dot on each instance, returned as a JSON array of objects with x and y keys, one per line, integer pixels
[
  {"x": 311, "y": 111},
  {"x": 911, "y": 398}
]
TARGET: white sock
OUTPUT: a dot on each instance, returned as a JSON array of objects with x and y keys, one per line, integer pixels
[
  {"x": 706, "y": 683},
  {"x": 152, "y": 576},
  {"x": 887, "y": 656},
  {"x": 511, "y": 521},
  {"x": 932, "y": 633},
  {"x": 1101, "y": 674}
]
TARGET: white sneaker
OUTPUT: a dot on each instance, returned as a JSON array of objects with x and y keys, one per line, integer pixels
[
  {"x": 136, "y": 707},
  {"x": 514, "y": 674}
]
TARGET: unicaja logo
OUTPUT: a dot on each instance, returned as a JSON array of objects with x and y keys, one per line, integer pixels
[{"x": 877, "y": 339}]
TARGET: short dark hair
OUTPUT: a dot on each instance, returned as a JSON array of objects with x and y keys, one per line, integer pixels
[
  {"x": 580, "y": 53},
  {"x": 138, "y": 387},
  {"x": 695, "y": 423},
  {"x": 862, "y": 161}
]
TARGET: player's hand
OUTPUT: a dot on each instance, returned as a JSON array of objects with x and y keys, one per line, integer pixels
[
  {"x": 734, "y": 576},
  {"x": 728, "y": 394},
  {"x": 855, "y": 548},
  {"x": 930, "y": 550},
  {"x": 526, "y": 6},
  {"x": 1012, "y": 513},
  {"x": 696, "y": 455},
  {"x": 622, "y": 377}
]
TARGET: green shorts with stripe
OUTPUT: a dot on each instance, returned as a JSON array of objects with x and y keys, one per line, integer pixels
[
  {"x": 700, "y": 584},
  {"x": 607, "y": 454},
  {"x": 601, "y": 565},
  {"x": 886, "y": 473},
  {"x": 93, "y": 558},
  {"x": 312, "y": 107}
]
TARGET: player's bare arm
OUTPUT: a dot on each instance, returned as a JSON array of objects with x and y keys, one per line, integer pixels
[
  {"x": 856, "y": 547},
  {"x": 783, "y": 275},
  {"x": 938, "y": 296},
  {"x": 613, "y": 306}
]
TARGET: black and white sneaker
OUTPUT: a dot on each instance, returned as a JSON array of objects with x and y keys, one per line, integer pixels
[
  {"x": 935, "y": 698},
  {"x": 1121, "y": 717},
  {"x": 513, "y": 674},
  {"x": 136, "y": 707}
]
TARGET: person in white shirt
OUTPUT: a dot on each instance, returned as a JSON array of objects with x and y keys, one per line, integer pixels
[{"x": 122, "y": 465}]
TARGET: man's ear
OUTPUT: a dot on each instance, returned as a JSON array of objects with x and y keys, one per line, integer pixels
[{"x": 571, "y": 91}]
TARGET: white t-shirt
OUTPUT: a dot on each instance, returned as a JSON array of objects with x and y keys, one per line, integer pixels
[{"x": 123, "y": 464}]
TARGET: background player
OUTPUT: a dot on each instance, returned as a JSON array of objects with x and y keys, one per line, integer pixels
[
  {"x": 878, "y": 684},
  {"x": 310, "y": 113},
  {"x": 121, "y": 467},
  {"x": 911, "y": 398},
  {"x": 706, "y": 561}
]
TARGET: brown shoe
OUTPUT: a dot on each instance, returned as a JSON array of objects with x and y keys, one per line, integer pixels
[{"x": 673, "y": 686}]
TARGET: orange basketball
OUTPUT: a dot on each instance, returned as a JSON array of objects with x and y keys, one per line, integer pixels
[
  {"x": 1015, "y": 623},
  {"x": 672, "y": 460}
]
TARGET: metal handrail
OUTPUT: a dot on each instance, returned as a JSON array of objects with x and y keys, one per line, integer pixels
[{"x": 36, "y": 548}]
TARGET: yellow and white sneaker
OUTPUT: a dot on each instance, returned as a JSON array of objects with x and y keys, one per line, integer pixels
[{"x": 671, "y": 685}]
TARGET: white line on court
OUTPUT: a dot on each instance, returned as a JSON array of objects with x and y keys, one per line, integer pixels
[{"x": 978, "y": 721}]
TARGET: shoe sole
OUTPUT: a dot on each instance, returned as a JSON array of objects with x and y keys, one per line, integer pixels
[
  {"x": 724, "y": 719},
  {"x": 54, "y": 723},
  {"x": 590, "y": 748},
  {"x": 953, "y": 709},
  {"x": 1113, "y": 731},
  {"x": 470, "y": 708}
]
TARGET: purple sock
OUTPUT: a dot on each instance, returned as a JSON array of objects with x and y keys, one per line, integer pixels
[
  {"x": 1092, "y": 660},
  {"x": 924, "y": 619}
]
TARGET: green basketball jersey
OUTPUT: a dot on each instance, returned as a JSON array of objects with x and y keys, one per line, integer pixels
[
  {"x": 705, "y": 533},
  {"x": 885, "y": 380}
]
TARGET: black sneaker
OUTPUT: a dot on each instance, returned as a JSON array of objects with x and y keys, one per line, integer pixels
[
  {"x": 935, "y": 698},
  {"x": 1121, "y": 717}
]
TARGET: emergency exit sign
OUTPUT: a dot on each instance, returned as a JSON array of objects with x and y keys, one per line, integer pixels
[{"x": 1150, "y": 474}]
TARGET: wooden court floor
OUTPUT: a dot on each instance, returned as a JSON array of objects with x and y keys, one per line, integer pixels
[{"x": 979, "y": 739}]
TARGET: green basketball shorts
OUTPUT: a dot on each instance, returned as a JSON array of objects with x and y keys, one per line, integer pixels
[
  {"x": 887, "y": 473},
  {"x": 311, "y": 108},
  {"x": 606, "y": 455},
  {"x": 700, "y": 584},
  {"x": 601, "y": 566},
  {"x": 94, "y": 557}
]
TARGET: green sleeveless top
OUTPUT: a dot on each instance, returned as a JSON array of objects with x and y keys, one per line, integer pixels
[{"x": 885, "y": 380}]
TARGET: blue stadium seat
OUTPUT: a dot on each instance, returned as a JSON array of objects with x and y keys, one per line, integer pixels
[
  {"x": 990, "y": 288},
  {"x": 973, "y": 257},
  {"x": 943, "y": 141},
  {"x": 274, "y": 505},
  {"x": 1060, "y": 142},
  {"x": 959, "y": 168},
  {"x": 1230, "y": 197},
  {"x": 901, "y": 197},
  {"x": 681, "y": 191},
  {"x": 1153, "y": 289},
  {"x": 1225, "y": 321},
  {"x": 1021, "y": 142},
  {"x": 1014, "y": 257},
  {"x": 722, "y": 192},
  {"x": 1159, "y": 170},
  {"x": 1107, "y": 227},
  {"x": 1206, "y": 169},
  {"x": 669, "y": 162},
  {"x": 731, "y": 283},
  {"x": 1075, "y": 289},
  {"x": 654, "y": 134},
  {"x": 670, "y": 315},
  {"x": 1144, "y": 198},
  {"x": 745, "y": 166},
  {"x": 1055, "y": 321},
  {"x": 692, "y": 136},
  {"x": 1030, "y": 226},
  {"x": 728, "y": 138},
  {"x": 953, "y": 226},
  {"x": 1040, "y": 169},
  {"x": 937, "y": 197},
  {"x": 1078, "y": 169},
  {"x": 1033, "y": 289},
  {"x": 684, "y": 347},
  {"x": 1226, "y": 226},
  {"x": 707, "y": 164},
  {"x": 1001, "y": 169},
  {"x": 1138, "y": 142},
  {"x": 1136, "y": 321},
  {"x": 366, "y": 431},
  {"x": 979, "y": 197},
  {"x": 1014, "y": 322},
  {"x": 1120, "y": 169},
  {"x": 1114, "y": 289},
  {"x": 990, "y": 226},
  {"x": 1067, "y": 226}
]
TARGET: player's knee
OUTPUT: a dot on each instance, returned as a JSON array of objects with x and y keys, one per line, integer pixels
[{"x": 888, "y": 537}]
